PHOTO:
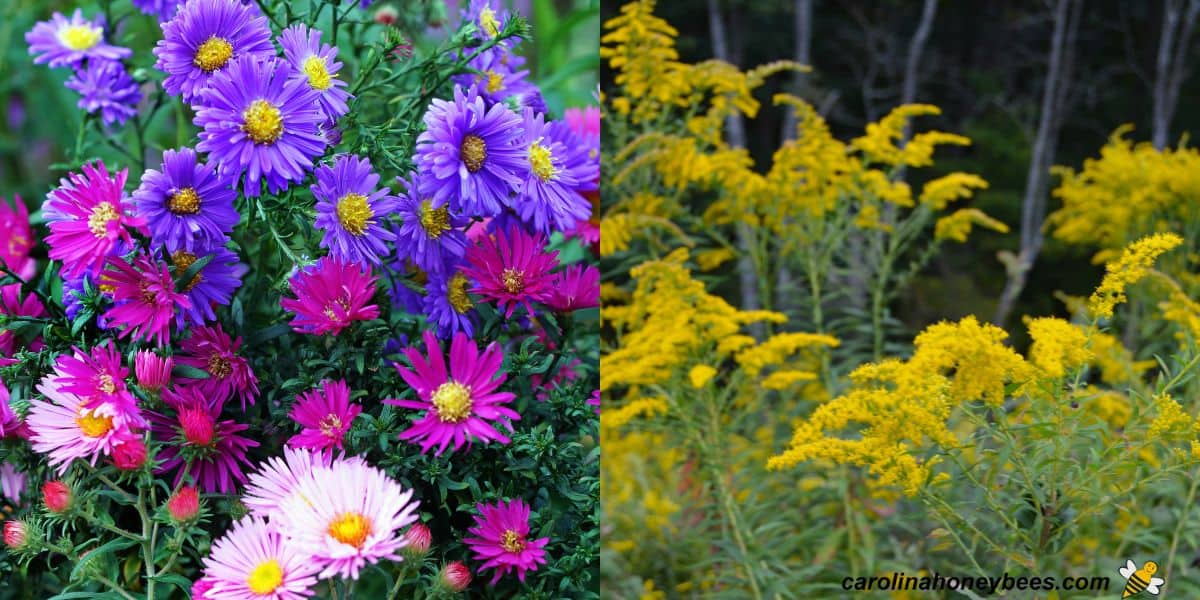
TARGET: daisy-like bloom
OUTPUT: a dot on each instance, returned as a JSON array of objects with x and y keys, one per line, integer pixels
[
  {"x": 212, "y": 286},
  {"x": 278, "y": 479},
  {"x": 329, "y": 296},
  {"x": 351, "y": 211},
  {"x": 64, "y": 430},
  {"x": 186, "y": 205},
  {"x": 68, "y": 42},
  {"x": 431, "y": 236},
  {"x": 204, "y": 38},
  {"x": 153, "y": 371},
  {"x": 501, "y": 531},
  {"x": 255, "y": 560},
  {"x": 460, "y": 402},
  {"x": 512, "y": 269},
  {"x": 13, "y": 305},
  {"x": 324, "y": 415},
  {"x": 211, "y": 350},
  {"x": 145, "y": 298},
  {"x": 469, "y": 154},
  {"x": 163, "y": 9},
  {"x": 98, "y": 378},
  {"x": 257, "y": 123},
  {"x": 12, "y": 481},
  {"x": 574, "y": 288},
  {"x": 496, "y": 77},
  {"x": 558, "y": 169},
  {"x": 88, "y": 214},
  {"x": 106, "y": 87},
  {"x": 448, "y": 304},
  {"x": 14, "y": 252},
  {"x": 346, "y": 516},
  {"x": 197, "y": 436},
  {"x": 489, "y": 19},
  {"x": 317, "y": 65}
]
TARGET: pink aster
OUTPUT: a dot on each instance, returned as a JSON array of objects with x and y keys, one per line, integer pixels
[
  {"x": 12, "y": 481},
  {"x": 99, "y": 378},
  {"x": 594, "y": 400},
  {"x": 459, "y": 402},
  {"x": 11, "y": 424},
  {"x": 144, "y": 298},
  {"x": 329, "y": 296},
  {"x": 324, "y": 414},
  {"x": 198, "y": 443},
  {"x": 278, "y": 478},
  {"x": 501, "y": 531},
  {"x": 512, "y": 269},
  {"x": 64, "y": 430},
  {"x": 254, "y": 560},
  {"x": 13, "y": 305},
  {"x": 211, "y": 350},
  {"x": 14, "y": 252},
  {"x": 87, "y": 215},
  {"x": 346, "y": 516},
  {"x": 575, "y": 287}
]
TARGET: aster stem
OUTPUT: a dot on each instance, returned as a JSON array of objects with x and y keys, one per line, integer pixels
[
  {"x": 400, "y": 579},
  {"x": 116, "y": 588},
  {"x": 270, "y": 15}
]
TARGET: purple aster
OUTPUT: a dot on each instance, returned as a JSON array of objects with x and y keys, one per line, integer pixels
[
  {"x": 106, "y": 87},
  {"x": 448, "y": 304},
  {"x": 163, "y": 9},
  {"x": 212, "y": 286},
  {"x": 63, "y": 42},
  {"x": 186, "y": 205},
  {"x": 351, "y": 211},
  {"x": 204, "y": 38},
  {"x": 490, "y": 20},
  {"x": 404, "y": 288},
  {"x": 558, "y": 169},
  {"x": 317, "y": 65},
  {"x": 257, "y": 122},
  {"x": 429, "y": 236},
  {"x": 496, "y": 76},
  {"x": 469, "y": 155}
]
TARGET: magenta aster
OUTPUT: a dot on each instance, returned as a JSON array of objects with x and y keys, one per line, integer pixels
[
  {"x": 15, "y": 252},
  {"x": 255, "y": 560},
  {"x": 460, "y": 401},
  {"x": 574, "y": 288},
  {"x": 98, "y": 378},
  {"x": 145, "y": 298},
  {"x": 153, "y": 371},
  {"x": 512, "y": 269},
  {"x": 211, "y": 350},
  {"x": 88, "y": 214},
  {"x": 329, "y": 296},
  {"x": 325, "y": 415},
  {"x": 198, "y": 443},
  {"x": 501, "y": 540},
  {"x": 64, "y": 430},
  {"x": 13, "y": 305}
]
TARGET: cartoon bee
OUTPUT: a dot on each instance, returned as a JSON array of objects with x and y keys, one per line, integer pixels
[{"x": 1140, "y": 579}]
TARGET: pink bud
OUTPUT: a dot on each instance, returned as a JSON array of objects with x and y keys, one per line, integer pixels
[
  {"x": 14, "y": 534},
  {"x": 153, "y": 371},
  {"x": 386, "y": 15},
  {"x": 419, "y": 539},
  {"x": 56, "y": 495},
  {"x": 456, "y": 576},
  {"x": 197, "y": 424},
  {"x": 184, "y": 505},
  {"x": 130, "y": 455}
]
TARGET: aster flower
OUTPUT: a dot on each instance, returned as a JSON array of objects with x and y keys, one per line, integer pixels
[
  {"x": 9, "y": 421},
  {"x": 211, "y": 350},
  {"x": 145, "y": 298},
  {"x": 278, "y": 478},
  {"x": 346, "y": 516},
  {"x": 575, "y": 288},
  {"x": 68, "y": 42},
  {"x": 429, "y": 236},
  {"x": 212, "y": 286},
  {"x": 594, "y": 400},
  {"x": 254, "y": 560},
  {"x": 469, "y": 155},
  {"x": 317, "y": 65},
  {"x": 64, "y": 430},
  {"x": 496, "y": 76},
  {"x": 324, "y": 415},
  {"x": 501, "y": 540},
  {"x": 88, "y": 214},
  {"x": 459, "y": 402},
  {"x": 512, "y": 269},
  {"x": 257, "y": 123},
  {"x": 14, "y": 252},
  {"x": 97, "y": 378},
  {"x": 203, "y": 38},
  {"x": 490, "y": 20},
  {"x": 13, "y": 305},
  {"x": 197, "y": 436},
  {"x": 351, "y": 211},
  {"x": 12, "y": 481},
  {"x": 558, "y": 170},
  {"x": 153, "y": 371},
  {"x": 448, "y": 305},
  {"x": 329, "y": 296},
  {"x": 106, "y": 87},
  {"x": 163, "y": 9},
  {"x": 186, "y": 205}
]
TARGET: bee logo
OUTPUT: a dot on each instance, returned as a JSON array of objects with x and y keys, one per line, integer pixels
[{"x": 1137, "y": 580}]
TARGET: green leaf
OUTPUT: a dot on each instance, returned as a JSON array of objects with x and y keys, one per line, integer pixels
[
  {"x": 182, "y": 281},
  {"x": 81, "y": 320},
  {"x": 175, "y": 579},
  {"x": 189, "y": 372},
  {"x": 108, "y": 548},
  {"x": 268, "y": 333}
]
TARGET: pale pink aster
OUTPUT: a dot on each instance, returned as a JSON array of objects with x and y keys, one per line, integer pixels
[
  {"x": 198, "y": 443},
  {"x": 460, "y": 401},
  {"x": 501, "y": 540},
  {"x": 278, "y": 478},
  {"x": 12, "y": 481},
  {"x": 253, "y": 560},
  {"x": 64, "y": 430},
  {"x": 329, "y": 296},
  {"x": 211, "y": 350},
  {"x": 153, "y": 371},
  {"x": 144, "y": 298},
  {"x": 325, "y": 415},
  {"x": 88, "y": 215},
  {"x": 346, "y": 516}
]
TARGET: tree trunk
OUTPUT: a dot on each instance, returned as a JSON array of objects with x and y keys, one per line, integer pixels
[
  {"x": 1169, "y": 72},
  {"x": 916, "y": 47},
  {"x": 803, "y": 55}
]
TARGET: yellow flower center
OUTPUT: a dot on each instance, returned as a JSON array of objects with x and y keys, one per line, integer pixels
[
  {"x": 107, "y": 385},
  {"x": 456, "y": 291},
  {"x": 182, "y": 260},
  {"x": 318, "y": 74},
  {"x": 354, "y": 213},
  {"x": 541, "y": 161},
  {"x": 265, "y": 578},
  {"x": 184, "y": 202},
  {"x": 101, "y": 215},
  {"x": 495, "y": 81},
  {"x": 218, "y": 367},
  {"x": 487, "y": 21},
  {"x": 435, "y": 221},
  {"x": 512, "y": 541},
  {"x": 80, "y": 37},
  {"x": 93, "y": 425},
  {"x": 351, "y": 528},
  {"x": 473, "y": 152},
  {"x": 329, "y": 425},
  {"x": 213, "y": 54},
  {"x": 263, "y": 122},
  {"x": 452, "y": 400},
  {"x": 514, "y": 280}
]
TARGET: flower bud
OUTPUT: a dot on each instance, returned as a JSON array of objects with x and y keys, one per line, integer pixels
[
  {"x": 153, "y": 371},
  {"x": 129, "y": 455},
  {"x": 184, "y": 504},
  {"x": 386, "y": 15},
  {"x": 419, "y": 539},
  {"x": 14, "y": 534},
  {"x": 456, "y": 576},
  {"x": 57, "y": 496}
]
